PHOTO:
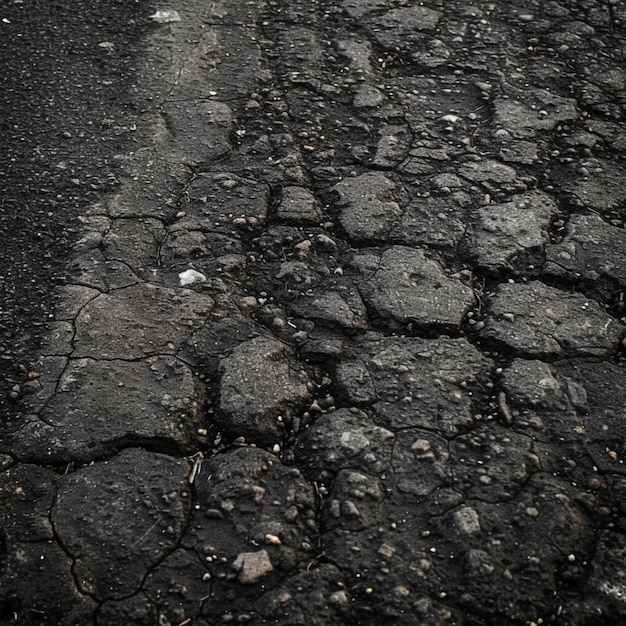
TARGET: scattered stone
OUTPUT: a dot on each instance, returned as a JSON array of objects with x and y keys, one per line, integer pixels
[
  {"x": 190, "y": 277},
  {"x": 467, "y": 521},
  {"x": 253, "y": 566}
]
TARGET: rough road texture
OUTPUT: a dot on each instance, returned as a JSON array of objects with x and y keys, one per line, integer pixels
[{"x": 346, "y": 345}]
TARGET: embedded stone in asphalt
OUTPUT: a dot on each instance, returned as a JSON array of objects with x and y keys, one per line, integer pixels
[
  {"x": 368, "y": 96},
  {"x": 501, "y": 232},
  {"x": 359, "y": 8},
  {"x": 402, "y": 284},
  {"x": 492, "y": 462},
  {"x": 261, "y": 388},
  {"x": 552, "y": 526},
  {"x": 138, "y": 321},
  {"x": 318, "y": 591},
  {"x": 537, "y": 321},
  {"x": 326, "y": 201},
  {"x": 246, "y": 496},
  {"x": 119, "y": 518},
  {"x": 101, "y": 406}
]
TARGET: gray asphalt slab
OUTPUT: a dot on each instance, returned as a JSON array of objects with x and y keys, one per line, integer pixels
[{"x": 346, "y": 343}]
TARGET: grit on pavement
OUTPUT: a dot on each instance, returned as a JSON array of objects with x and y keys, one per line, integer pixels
[{"x": 345, "y": 342}]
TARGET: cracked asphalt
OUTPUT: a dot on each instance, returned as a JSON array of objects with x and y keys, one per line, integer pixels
[{"x": 334, "y": 322}]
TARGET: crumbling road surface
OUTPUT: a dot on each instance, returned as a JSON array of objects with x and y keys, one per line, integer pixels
[{"x": 345, "y": 344}]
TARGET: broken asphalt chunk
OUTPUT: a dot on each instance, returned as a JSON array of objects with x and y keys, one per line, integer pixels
[
  {"x": 402, "y": 284},
  {"x": 538, "y": 321}
]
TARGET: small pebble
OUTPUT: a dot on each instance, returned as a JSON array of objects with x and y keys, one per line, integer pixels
[
  {"x": 300, "y": 336},
  {"x": 249, "y": 302}
]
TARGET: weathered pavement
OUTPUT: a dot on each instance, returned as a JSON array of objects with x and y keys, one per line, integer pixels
[{"x": 346, "y": 347}]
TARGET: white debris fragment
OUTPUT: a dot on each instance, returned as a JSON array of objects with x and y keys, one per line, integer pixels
[
  {"x": 163, "y": 17},
  {"x": 189, "y": 277}
]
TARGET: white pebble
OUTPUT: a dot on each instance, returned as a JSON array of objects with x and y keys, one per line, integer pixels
[{"x": 189, "y": 277}]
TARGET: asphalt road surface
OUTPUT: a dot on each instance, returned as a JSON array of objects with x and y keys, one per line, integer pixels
[{"x": 312, "y": 313}]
